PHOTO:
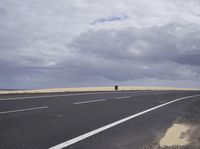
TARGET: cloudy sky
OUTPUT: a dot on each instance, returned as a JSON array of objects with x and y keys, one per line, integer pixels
[{"x": 76, "y": 43}]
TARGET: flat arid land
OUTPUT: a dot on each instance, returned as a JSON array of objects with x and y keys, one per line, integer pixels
[{"x": 86, "y": 89}]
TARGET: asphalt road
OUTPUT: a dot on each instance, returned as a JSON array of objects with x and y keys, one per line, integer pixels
[{"x": 91, "y": 120}]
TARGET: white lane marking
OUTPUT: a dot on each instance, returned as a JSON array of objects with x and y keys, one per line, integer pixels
[
  {"x": 89, "y": 101},
  {"x": 22, "y": 110},
  {"x": 98, "y": 130},
  {"x": 123, "y": 97},
  {"x": 49, "y": 96}
]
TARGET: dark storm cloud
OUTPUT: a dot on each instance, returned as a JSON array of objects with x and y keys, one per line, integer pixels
[
  {"x": 132, "y": 53},
  {"x": 190, "y": 58},
  {"x": 157, "y": 44}
]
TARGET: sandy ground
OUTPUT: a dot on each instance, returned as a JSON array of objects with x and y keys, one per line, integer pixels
[
  {"x": 111, "y": 88},
  {"x": 175, "y": 136},
  {"x": 185, "y": 132}
]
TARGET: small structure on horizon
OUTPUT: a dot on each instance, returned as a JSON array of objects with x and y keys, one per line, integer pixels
[{"x": 116, "y": 87}]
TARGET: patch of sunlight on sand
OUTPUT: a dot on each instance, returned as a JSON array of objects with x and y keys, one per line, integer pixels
[
  {"x": 175, "y": 136},
  {"x": 82, "y": 89}
]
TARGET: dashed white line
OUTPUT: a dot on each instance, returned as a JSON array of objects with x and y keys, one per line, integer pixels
[
  {"x": 124, "y": 97},
  {"x": 22, "y": 110},
  {"x": 89, "y": 101},
  {"x": 96, "y": 131}
]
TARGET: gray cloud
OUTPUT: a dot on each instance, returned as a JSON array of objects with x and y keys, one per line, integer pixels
[
  {"x": 53, "y": 44},
  {"x": 141, "y": 53}
]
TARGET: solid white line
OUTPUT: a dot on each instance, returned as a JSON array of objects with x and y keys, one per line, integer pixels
[
  {"x": 89, "y": 101},
  {"x": 123, "y": 97},
  {"x": 96, "y": 131},
  {"x": 50, "y": 96},
  {"x": 22, "y": 110}
]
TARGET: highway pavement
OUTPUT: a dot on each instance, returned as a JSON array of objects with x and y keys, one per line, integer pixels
[{"x": 91, "y": 120}]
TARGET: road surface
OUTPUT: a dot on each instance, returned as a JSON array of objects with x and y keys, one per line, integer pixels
[{"x": 91, "y": 120}]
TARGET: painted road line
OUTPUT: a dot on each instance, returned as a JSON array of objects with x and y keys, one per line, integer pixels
[
  {"x": 22, "y": 110},
  {"x": 89, "y": 101},
  {"x": 96, "y": 131},
  {"x": 123, "y": 97},
  {"x": 50, "y": 96}
]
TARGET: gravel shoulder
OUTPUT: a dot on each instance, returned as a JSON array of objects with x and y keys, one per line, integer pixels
[{"x": 190, "y": 117}]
